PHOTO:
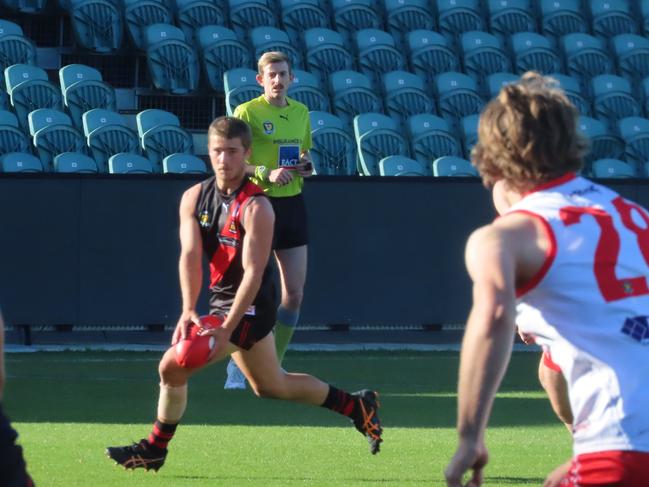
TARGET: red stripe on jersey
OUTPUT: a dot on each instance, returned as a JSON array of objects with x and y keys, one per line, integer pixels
[
  {"x": 610, "y": 468},
  {"x": 549, "y": 363},
  {"x": 552, "y": 183}
]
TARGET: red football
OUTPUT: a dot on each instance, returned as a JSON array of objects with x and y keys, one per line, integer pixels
[{"x": 195, "y": 350}]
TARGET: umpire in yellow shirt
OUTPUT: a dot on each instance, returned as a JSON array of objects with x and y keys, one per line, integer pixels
[{"x": 281, "y": 139}]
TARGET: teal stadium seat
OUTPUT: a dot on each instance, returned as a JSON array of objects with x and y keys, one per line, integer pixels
[
  {"x": 400, "y": 166},
  {"x": 107, "y": 134},
  {"x": 265, "y": 39},
  {"x": 632, "y": 54},
  {"x": 405, "y": 95},
  {"x": 245, "y": 15},
  {"x": 612, "y": 169},
  {"x": 15, "y": 48},
  {"x": 458, "y": 16},
  {"x": 613, "y": 98},
  {"x": 469, "y": 128},
  {"x": 301, "y": 15},
  {"x": 350, "y": 16},
  {"x": 574, "y": 92},
  {"x": 604, "y": 144},
  {"x": 29, "y": 89},
  {"x": 97, "y": 24},
  {"x": 586, "y": 56},
  {"x": 83, "y": 89},
  {"x": 326, "y": 52},
  {"x": 562, "y": 17},
  {"x": 183, "y": 164},
  {"x": 534, "y": 52},
  {"x": 611, "y": 18},
  {"x": 404, "y": 16},
  {"x": 494, "y": 82},
  {"x": 240, "y": 86},
  {"x": 221, "y": 51},
  {"x": 73, "y": 162},
  {"x": 352, "y": 93},
  {"x": 457, "y": 95},
  {"x": 20, "y": 162},
  {"x": 129, "y": 164},
  {"x": 161, "y": 135},
  {"x": 430, "y": 54},
  {"x": 377, "y": 54},
  {"x": 53, "y": 134},
  {"x": 306, "y": 88},
  {"x": 483, "y": 54},
  {"x": 449, "y": 166},
  {"x": 635, "y": 133},
  {"x": 377, "y": 136},
  {"x": 334, "y": 150},
  {"x": 506, "y": 17},
  {"x": 139, "y": 14},
  {"x": 25, "y": 6},
  {"x": 173, "y": 63},
  {"x": 431, "y": 137},
  {"x": 12, "y": 138},
  {"x": 194, "y": 14}
]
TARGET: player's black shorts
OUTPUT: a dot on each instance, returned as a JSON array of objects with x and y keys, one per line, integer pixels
[
  {"x": 290, "y": 222},
  {"x": 252, "y": 329},
  {"x": 12, "y": 464}
]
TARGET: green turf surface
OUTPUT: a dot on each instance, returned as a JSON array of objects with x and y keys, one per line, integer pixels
[{"x": 69, "y": 406}]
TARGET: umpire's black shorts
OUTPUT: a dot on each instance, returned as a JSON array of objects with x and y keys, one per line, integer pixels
[{"x": 290, "y": 222}]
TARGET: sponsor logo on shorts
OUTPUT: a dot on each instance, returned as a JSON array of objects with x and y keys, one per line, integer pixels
[{"x": 269, "y": 128}]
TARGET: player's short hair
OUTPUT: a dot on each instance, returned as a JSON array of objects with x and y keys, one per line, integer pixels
[
  {"x": 273, "y": 57},
  {"x": 231, "y": 128},
  {"x": 528, "y": 134}
]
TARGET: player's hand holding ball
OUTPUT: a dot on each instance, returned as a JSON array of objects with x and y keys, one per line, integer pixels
[{"x": 202, "y": 342}]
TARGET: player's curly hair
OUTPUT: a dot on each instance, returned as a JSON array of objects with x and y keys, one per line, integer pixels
[
  {"x": 231, "y": 128},
  {"x": 528, "y": 134}
]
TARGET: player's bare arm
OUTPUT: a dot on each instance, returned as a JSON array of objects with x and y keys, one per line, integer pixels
[{"x": 189, "y": 265}]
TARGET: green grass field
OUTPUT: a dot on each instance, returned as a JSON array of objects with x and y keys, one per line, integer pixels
[{"x": 69, "y": 406}]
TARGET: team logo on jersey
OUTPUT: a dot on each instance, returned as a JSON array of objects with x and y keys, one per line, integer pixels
[
  {"x": 637, "y": 328},
  {"x": 269, "y": 128},
  {"x": 204, "y": 219},
  {"x": 233, "y": 227}
]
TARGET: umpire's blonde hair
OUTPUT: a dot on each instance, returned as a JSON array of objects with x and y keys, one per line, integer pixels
[
  {"x": 528, "y": 134},
  {"x": 273, "y": 57}
]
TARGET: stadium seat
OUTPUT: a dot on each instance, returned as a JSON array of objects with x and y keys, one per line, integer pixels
[
  {"x": 194, "y": 14},
  {"x": 482, "y": 54},
  {"x": 632, "y": 53},
  {"x": 15, "y": 48},
  {"x": 326, "y": 53},
  {"x": 430, "y": 54},
  {"x": 173, "y": 63},
  {"x": 4, "y": 100},
  {"x": 377, "y": 54},
  {"x": 352, "y": 94},
  {"x": 53, "y": 134},
  {"x": 644, "y": 11},
  {"x": 377, "y": 137},
  {"x": 183, "y": 164},
  {"x": 245, "y": 15},
  {"x": 139, "y": 14},
  {"x": 613, "y": 98},
  {"x": 507, "y": 17},
  {"x": 453, "y": 166},
  {"x": 562, "y": 17},
  {"x": 612, "y": 168},
  {"x": 12, "y": 138},
  {"x": 25, "y": 6},
  {"x": 301, "y": 15},
  {"x": 221, "y": 51},
  {"x": 240, "y": 86},
  {"x": 20, "y": 162},
  {"x": 574, "y": 92},
  {"x": 129, "y": 164},
  {"x": 83, "y": 90},
  {"x": 404, "y": 16},
  {"x": 611, "y": 18},
  {"x": 644, "y": 86},
  {"x": 457, "y": 95},
  {"x": 266, "y": 39},
  {"x": 306, "y": 88},
  {"x": 585, "y": 56},
  {"x": 161, "y": 135},
  {"x": 29, "y": 89},
  {"x": 458, "y": 16},
  {"x": 494, "y": 82},
  {"x": 73, "y": 162},
  {"x": 152, "y": 118},
  {"x": 97, "y": 24},
  {"x": 431, "y": 137},
  {"x": 635, "y": 133},
  {"x": 334, "y": 150},
  {"x": 534, "y": 52},
  {"x": 405, "y": 95},
  {"x": 350, "y": 16},
  {"x": 401, "y": 166},
  {"x": 107, "y": 134},
  {"x": 469, "y": 127},
  {"x": 604, "y": 144}
]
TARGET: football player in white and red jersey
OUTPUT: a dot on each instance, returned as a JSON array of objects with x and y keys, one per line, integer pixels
[{"x": 568, "y": 262}]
